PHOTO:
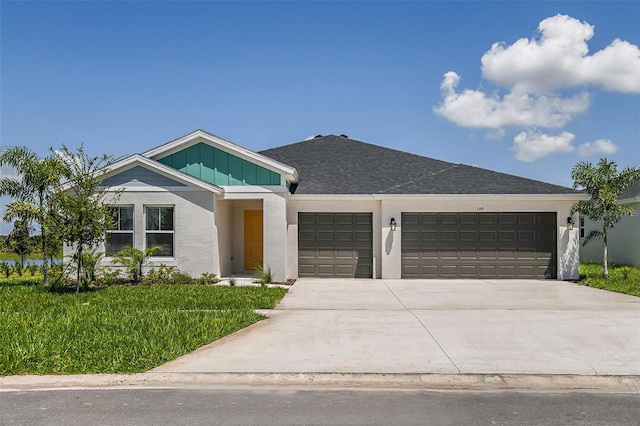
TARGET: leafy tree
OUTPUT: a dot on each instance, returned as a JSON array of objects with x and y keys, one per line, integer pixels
[
  {"x": 604, "y": 183},
  {"x": 82, "y": 204},
  {"x": 135, "y": 260},
  {"x": 32, "y": 190},
  {"x": 19, "y": 241}
]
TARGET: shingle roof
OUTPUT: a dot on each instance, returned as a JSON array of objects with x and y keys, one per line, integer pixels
[
  {"x": 632, "y": 191},
  {"x": 339, "y": 165}
]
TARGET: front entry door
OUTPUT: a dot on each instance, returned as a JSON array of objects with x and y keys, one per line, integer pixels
[{"x": 253, "y": 246}]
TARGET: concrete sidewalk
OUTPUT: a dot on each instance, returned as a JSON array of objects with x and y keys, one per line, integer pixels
[{"x": 450, "y": 327}]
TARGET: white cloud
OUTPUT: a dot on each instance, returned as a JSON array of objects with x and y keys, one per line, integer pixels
[
  {"x": 559, "y": 58},
  {"x": 600, "y": 146},
  {"x": 474, "y": 108},
  {"x": 533, "y": 145}
]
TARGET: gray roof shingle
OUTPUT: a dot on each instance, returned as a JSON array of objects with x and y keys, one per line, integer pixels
[
  {"x": 339, "y": 165},
  {"x": 632, "y": 191}
]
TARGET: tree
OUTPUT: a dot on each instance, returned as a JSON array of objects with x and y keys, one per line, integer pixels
[
  {"x": 604, "y": 183},
  {"x": 83, "y": 204},
  {"x": 33, "y": 191},
  {"x": 19, "y": 240},
  {"x": 135, "y": 260}
]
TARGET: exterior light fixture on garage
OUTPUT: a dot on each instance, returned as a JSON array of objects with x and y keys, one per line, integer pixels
[
  {"x": 393, "y": 224},
  {"x": 569, "y": 223}
]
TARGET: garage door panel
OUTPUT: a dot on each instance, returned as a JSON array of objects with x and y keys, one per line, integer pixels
[
  {"x": 335, "y": 245},
  {"x": 486, "y": 245}
]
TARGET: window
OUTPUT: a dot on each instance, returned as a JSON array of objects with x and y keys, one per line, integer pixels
[
  {"x": 582, "y": 227},
  {"x": 159, "y": 229},
  {"x": 122, "y": 233}
]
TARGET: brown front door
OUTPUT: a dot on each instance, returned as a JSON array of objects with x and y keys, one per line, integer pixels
[{"x": 253, "y": 245}]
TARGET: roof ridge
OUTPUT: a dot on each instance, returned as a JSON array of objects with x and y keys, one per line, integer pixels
[{"x": 418, "y": 179}]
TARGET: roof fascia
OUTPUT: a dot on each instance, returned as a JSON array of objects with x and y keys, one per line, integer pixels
[
  {"x": 169, "y": 172},
  {"x": 492, "y": 197},
  {"x": 187, "y": 140}
]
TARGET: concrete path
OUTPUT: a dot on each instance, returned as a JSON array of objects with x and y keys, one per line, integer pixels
[{"x": 433, "y": 326}]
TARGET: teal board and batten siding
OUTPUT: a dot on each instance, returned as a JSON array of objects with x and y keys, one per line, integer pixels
[{"x": 219, "y": 167}]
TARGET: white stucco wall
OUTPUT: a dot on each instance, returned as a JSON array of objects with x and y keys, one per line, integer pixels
[
  {"x": 195, "y": 245},
  {"x": 623, "y": 241},
  {"x": 223, "y": 218}
]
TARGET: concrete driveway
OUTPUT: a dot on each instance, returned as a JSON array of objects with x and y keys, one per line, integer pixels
[{"x": 433, "y": 326}]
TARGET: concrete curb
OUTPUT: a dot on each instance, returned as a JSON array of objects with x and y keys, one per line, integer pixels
[{"x": 317, "y": 381}]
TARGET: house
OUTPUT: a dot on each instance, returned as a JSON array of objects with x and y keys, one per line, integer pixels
[
  {"x": 332, "y": 206},
  {"x": 623, "y": 241}
]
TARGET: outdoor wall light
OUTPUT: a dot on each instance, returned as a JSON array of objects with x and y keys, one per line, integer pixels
[
  {"x": 569, "y": 223},
  {"x": 393, "y": 224}
]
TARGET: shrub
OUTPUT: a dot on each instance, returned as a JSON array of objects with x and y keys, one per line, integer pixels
[
  {"x": 263, "y": 275},
  {"x": 135, "y": 260},
  {"x": 207, "y": 278},
  {"x": 5, "y": 269},
  {"x": 32, "y": 268},
  {"x": 18, "y": 269}
]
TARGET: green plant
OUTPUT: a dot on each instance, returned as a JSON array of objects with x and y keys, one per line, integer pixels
[
  {"x": 208, "y": 278},
  {"x": 90, "y": 261},
  {"x": 34, "y": 191},
  {"x": 232, "y": 281},
  {"x": 178, "y": 277},
  {"x": 160, "y": 275},
  {"x": 625, "y": 271},
  {"x": 110, "y": 277},
  {"x": 5, "y": 269},
  {"x": 135, "y": 260},
  {"x": 18, "y": 269},
  {"x": 32, "y": 268},
  {"x": 263, "y": 275},
  {"x": 84, "y": 213}
]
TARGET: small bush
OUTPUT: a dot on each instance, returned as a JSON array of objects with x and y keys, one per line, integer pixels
[
  {"x": 207, "y": 278},
  {"x": 263, "y": 275},
  {"x": 32, "y": 268},
  {"x": 232, "y": 281},
  {"x": 18, "y": 269},
  {"x": 160, "y": 275},
  {"x": 180, "y": 278},
  {"x": 5, "y": 269}
]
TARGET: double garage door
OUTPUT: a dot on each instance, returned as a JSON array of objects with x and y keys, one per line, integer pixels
[
  {"x": 478, "y": 245},
  {"x": 433, "y": 245}
]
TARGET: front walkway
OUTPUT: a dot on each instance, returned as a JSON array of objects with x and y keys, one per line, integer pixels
[{"x": 433, "y": 326}]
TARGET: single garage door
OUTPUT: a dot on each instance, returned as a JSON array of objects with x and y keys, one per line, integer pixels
[
  {"x": 335, "y": 245},
  {"x": 479, "y": 245}
]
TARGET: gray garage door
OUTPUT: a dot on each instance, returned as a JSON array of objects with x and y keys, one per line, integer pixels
[
  {"x": 335, "y": 245},
  {"x": 478, "y": 245}
]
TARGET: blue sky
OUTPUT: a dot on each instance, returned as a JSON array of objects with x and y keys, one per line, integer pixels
[{"x": 424, "y": 77}]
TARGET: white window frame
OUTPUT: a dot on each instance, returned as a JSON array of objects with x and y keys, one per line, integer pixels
[
  {"x": 160, "y": 231},
  {"x": 122, "y": 231}
]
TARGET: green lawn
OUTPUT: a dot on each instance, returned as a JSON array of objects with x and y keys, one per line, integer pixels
[
  {"x": 120, "y": 329},
  {"x": 622, "y": 279}
]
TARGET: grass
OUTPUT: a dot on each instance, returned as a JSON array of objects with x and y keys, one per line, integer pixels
[
  {"x": 120, "y": 329},
  {"x": 622, "y": 279}
]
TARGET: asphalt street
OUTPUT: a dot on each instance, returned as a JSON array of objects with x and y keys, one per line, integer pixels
[{"x": 302, "y": 407}]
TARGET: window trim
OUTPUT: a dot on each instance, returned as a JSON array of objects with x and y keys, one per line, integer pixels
[
  {"x": 131, "y": 231},
  {"x": 161, "y": 231}
]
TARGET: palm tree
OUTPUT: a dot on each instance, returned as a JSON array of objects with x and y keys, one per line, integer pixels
[
  {"x": 604, "y": 183},
  {"x": 32, "y": 191}
]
